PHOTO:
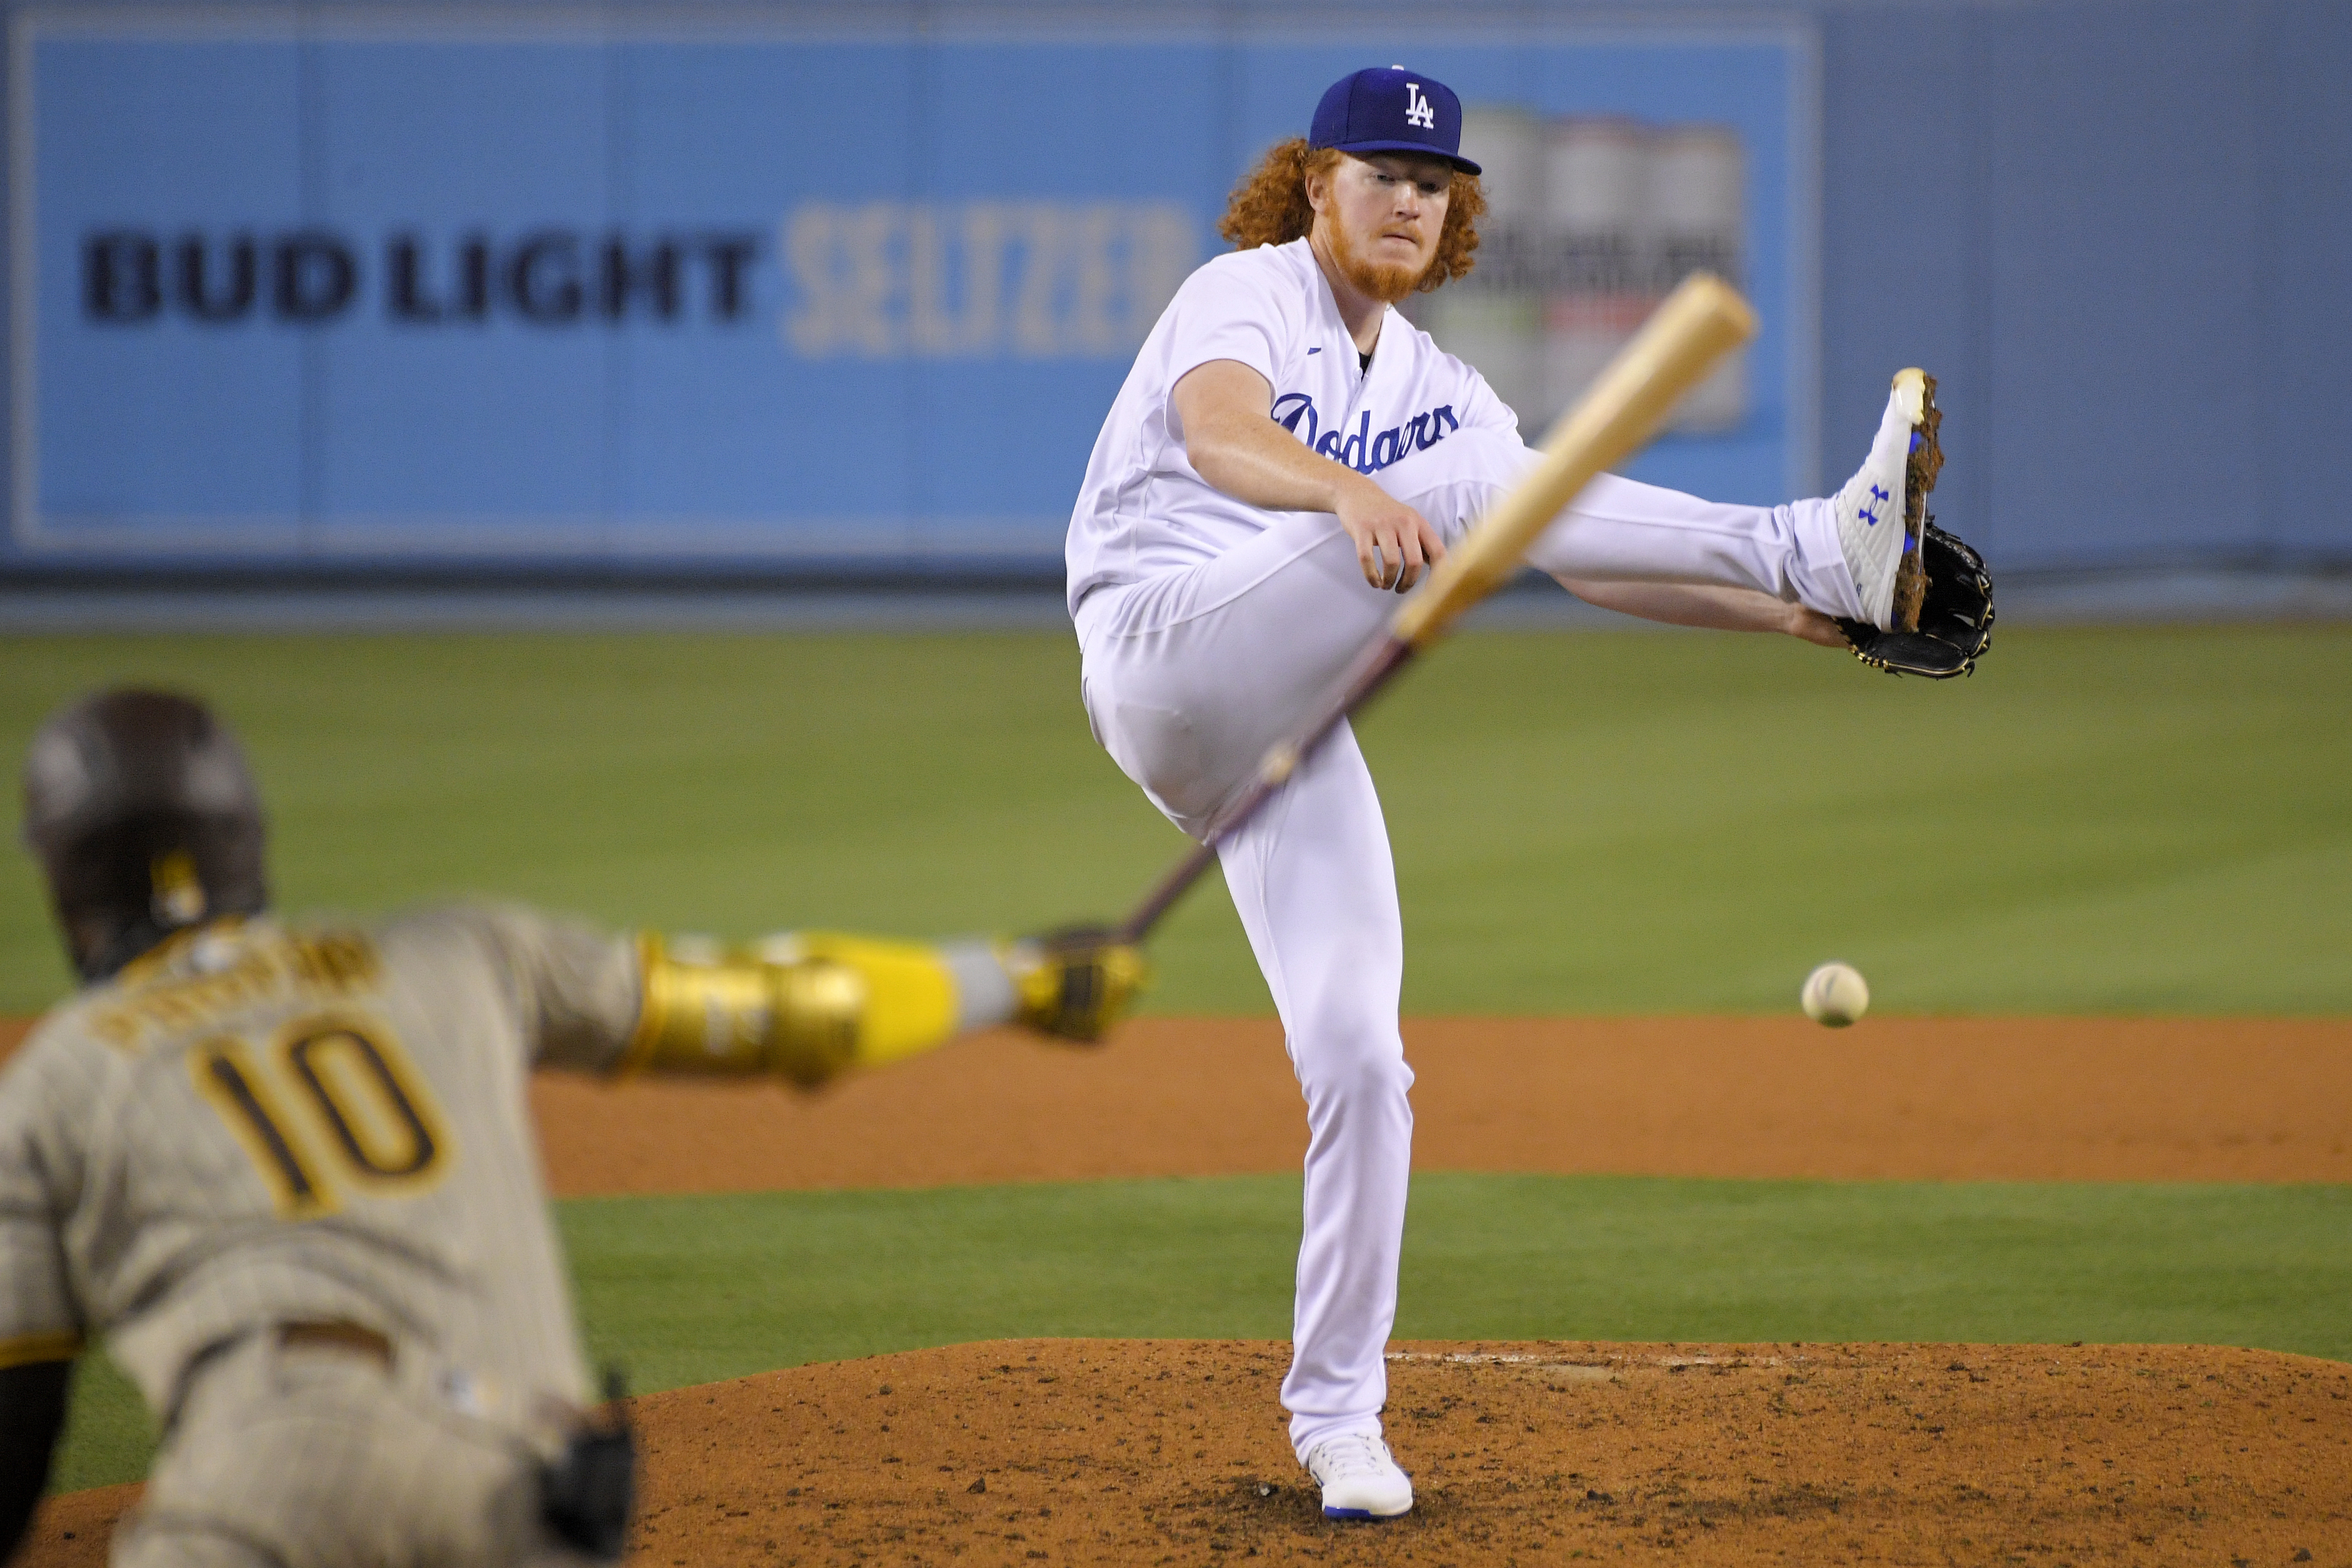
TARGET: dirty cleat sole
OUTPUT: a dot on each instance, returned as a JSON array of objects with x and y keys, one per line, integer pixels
[
  {"x": 1919, "y": 470},
  {"x": 1879, "y": 512}
]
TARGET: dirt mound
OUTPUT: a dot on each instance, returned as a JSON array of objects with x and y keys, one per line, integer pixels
[
  {"x": 1138, "y": 1452},
  {"x": 72, "y": 1530},
  {"x": 1092, "y": 1451}
]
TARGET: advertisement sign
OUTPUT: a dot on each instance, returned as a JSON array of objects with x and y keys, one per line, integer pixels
[{"x": 504, "y": 289}]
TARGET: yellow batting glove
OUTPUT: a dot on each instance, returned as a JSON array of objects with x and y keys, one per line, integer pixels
[{"x": 1076, "y": 982}]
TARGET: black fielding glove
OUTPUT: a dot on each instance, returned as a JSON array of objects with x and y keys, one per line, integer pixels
[{"x": 1955, "y": 617}]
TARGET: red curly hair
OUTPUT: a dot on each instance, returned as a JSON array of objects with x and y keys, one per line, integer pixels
[{"x": 1269, "y": 207}]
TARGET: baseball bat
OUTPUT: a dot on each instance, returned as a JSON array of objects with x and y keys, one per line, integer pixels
[{"x": 1696, "y": 326}]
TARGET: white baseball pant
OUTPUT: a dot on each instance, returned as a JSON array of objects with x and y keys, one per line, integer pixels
[{"x": 1190, "y": 675}]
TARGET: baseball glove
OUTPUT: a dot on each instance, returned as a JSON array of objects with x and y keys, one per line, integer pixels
[{"x": 1955, "y": 615}]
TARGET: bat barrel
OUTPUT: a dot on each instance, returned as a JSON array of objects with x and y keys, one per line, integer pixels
[{"x": 1699, "y": 323}]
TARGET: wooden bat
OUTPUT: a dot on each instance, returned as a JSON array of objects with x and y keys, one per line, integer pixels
[{"x": 1697, "y": 324}]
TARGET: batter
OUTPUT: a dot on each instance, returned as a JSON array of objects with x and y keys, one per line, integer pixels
[
  {"x": 288, "y": 1174},
  {"x": 1287, "y": 451}
]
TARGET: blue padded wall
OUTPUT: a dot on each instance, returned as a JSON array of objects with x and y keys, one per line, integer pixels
[{"x": 2120, "y": 233}]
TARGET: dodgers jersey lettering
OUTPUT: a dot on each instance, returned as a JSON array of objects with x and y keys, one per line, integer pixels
[
  {"x": 256, "y": 1125},
  {"x": 1142, "y": 508}
]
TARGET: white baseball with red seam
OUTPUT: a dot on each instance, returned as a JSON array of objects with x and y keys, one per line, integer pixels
[{"x": 1835, "y": 994}]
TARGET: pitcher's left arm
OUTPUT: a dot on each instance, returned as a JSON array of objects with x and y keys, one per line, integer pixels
[{"x": 1717, "y": 608}]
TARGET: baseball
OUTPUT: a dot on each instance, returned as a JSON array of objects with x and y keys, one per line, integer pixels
[{"x": 1835, "y": 994}]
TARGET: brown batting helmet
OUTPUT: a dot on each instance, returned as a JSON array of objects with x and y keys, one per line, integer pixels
[{"x": 146, "y": 820}]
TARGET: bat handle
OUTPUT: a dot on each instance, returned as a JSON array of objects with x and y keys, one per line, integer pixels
[
  {"x": 1137, "y": 927},
  {"x": 1273, "y": 771}
]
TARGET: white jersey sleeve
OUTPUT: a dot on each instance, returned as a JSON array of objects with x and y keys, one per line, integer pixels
[
  {"x": 38, "y": 1320},
  {"x": 1481, "y": 409},
  {"x": 574, "y": 990},
  {"x": 1142, "y": 508},
  {"x": 1235, "y": 308}
]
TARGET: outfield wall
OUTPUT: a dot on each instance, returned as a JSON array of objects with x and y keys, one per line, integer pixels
[
  {"x": 848, "y": 288},
  {"x": 2122, "y": 235}
]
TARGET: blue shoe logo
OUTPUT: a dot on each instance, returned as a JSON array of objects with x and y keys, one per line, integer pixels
[{"x": 1878, "y": 497}]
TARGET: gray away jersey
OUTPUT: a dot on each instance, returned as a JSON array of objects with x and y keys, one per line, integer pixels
[{"x": 256, "y": 1125}]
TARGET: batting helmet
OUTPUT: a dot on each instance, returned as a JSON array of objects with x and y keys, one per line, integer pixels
[{"x": 146, "y": 820}]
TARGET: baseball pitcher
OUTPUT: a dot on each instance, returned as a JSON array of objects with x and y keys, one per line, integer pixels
[
  {"x": 287, "y": 1175},
  {"x": 1286, "y": 451}
]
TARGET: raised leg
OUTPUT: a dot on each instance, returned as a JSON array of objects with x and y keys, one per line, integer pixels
[{"x": 1621, "y": 529}]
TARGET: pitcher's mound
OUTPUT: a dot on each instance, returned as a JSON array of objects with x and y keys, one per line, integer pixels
[
  {"x": 1094, "y": 1451},
  {"x": 1106, "y": 1451}
]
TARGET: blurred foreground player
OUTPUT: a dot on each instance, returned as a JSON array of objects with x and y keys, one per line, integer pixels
[{"x": 288, "y": 1174}]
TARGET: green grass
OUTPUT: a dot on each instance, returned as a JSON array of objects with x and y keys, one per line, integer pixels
[
  {"x": 2146, "y": 820},
  {"x": 693, "y": 1289},
  {"x": 2101, "y": 821}
]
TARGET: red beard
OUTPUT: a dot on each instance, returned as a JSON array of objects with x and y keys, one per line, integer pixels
[{"x": 1384, "y": 281}]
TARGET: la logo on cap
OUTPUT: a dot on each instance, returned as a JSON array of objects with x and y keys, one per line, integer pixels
[{"x": 1416, "y": 108}]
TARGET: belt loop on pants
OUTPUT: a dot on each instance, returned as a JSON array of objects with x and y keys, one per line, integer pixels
[{"x": 349, "y": 1338}]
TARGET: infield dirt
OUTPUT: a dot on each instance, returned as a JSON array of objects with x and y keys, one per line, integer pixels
[
  {"x": 1138, "y": 1452},
  {"x": 2151, "y": 1099}
]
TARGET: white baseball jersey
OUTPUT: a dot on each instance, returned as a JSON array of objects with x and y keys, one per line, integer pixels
[
  {"x": 1142, "y": 506},
  {"x": 254, "y": 1125}
]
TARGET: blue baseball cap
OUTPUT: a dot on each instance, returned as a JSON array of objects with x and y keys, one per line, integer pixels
[{"x": 1390, "y": 109}]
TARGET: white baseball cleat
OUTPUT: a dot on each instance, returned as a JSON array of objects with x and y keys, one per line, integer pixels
[
  {"x": 1358, "y": 1478},
  {"x": 1883, "y": 510}
]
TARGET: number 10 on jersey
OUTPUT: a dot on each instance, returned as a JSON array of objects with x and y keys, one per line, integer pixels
[{"x": 334, "y": 1106}]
